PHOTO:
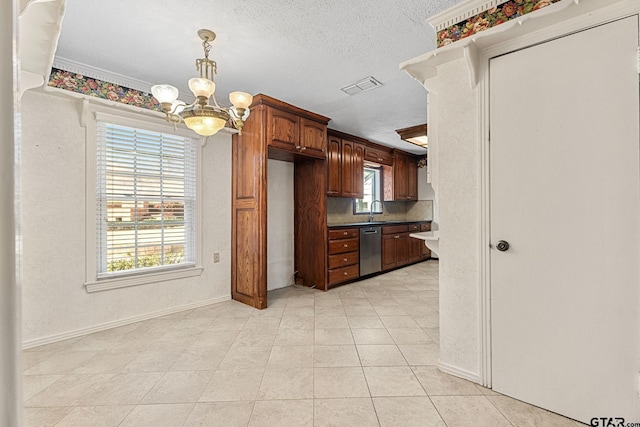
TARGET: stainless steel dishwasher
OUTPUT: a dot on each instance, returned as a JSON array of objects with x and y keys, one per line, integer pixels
[{"x": 370, "y": 250}]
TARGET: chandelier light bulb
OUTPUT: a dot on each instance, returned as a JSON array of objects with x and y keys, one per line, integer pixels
[
  {"x": 202, "y": 87},
  {"x": 165, "y": 93},
  {"x": 240, "y": 99}
]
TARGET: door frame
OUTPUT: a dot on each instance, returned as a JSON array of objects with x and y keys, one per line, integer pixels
[{"x": 479, "y": 68}]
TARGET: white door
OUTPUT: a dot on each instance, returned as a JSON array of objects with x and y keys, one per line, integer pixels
[{"x": 565, "y": 194}]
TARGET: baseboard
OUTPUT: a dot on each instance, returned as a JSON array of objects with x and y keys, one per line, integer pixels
[
  {"x": 461, "y": 373},
  {"x": 114, "y": 324}
]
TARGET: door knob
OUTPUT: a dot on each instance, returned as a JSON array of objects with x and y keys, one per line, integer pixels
[{"x": 502, "y": 245}]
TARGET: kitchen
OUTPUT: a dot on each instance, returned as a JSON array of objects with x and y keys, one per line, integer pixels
[{"x": 389, "y": 174}]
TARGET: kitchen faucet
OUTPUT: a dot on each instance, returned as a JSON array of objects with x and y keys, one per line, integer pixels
[{"x": 371, "y": 210}]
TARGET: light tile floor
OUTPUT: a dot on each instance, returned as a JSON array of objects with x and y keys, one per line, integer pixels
[{"x": 363, "y": 354}]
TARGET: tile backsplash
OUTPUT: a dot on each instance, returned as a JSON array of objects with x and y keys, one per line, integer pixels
[{"x": 340, "y": 211}]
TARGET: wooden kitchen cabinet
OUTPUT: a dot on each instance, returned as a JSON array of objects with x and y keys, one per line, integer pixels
[
  {"x": 415, "y": 245},
  {"x": 412, "y": 178},
  {"x": 274, "y": 130},
  {"x": 352, "y": 169},
  {"x": 401, "y": 181},
  {"x": 291, "y": 133},
  {"x": 425, "y": 251},
  {"x": 343, "y": 248},
  {"x": 395, "y": 246},
  {"x": 334, "y": 173},
  {"x": 378, "y": 154},
  {"x": 314, "y": 138},
  {"x": 345, "y": 166}
]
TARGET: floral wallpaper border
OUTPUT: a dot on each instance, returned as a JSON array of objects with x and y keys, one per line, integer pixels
[
  {"x": 489, "y": 19},
  {"x": 79, "y": 83}
]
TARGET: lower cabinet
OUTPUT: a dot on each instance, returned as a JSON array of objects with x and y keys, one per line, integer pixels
[
  {"x": 425, "y": 251},
  {"x": 395, "y": 246},
  {"x": 415, "y": 245},
  {"x": 398, "y": 249},
  {"x": 344, "y": 255}
]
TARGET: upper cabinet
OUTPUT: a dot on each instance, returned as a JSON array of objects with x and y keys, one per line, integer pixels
[
  {"x": 334, "y": 172},
  {"x": 292, "y": 132},
  {"x": 352, "y": 169},
  {"x": 346, "y": 158},
  {"x": 345, "y": 166},
  {"x": 401, "y": 181},
  {"x": 314, "y": 138},
  {"x": 378, "y": 154}
]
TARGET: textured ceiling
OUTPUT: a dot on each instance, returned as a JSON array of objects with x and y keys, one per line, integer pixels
[{"x": 301, "y": 52}]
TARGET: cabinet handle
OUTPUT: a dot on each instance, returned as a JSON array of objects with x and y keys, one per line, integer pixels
[
  {"x": 346, "y": 233},
  {"x": 396, "y": 237},
  {"x": 303, "y": 148},
  {"x": 298, "y": 147},
  {"x": 346, "y": 274},
  {"x": 344, "y": 259},
  {"x": 346, "y": 245}
]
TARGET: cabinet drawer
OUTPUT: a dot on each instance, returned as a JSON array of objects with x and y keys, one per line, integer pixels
[
  {"x": 414, "y": 227},
  {"x": 345, "y": 233},
  {"x": 341, "y": 246},
  {"x": 425, "y": 226},
  {"x": 394, "y": 229},
  {"x": 340, "y": 275},
  {"x": 342, "y": 260}
]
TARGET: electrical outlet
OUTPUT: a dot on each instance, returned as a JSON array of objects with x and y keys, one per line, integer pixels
[{"x": 216, "y": 257}]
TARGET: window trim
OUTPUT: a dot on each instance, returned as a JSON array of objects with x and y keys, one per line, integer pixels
[
  {"x": 92, "y": 283},
  {"x": 380, "y": 190}
]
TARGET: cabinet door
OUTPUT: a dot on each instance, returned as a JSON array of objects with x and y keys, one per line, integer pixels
[
  {"x": 400, "y": 177},
  {"x": 347, "y": 168},
  {"x": 314, "y": 138},
  {"x": 389, "y": 251},
  {"x": 372, "y": 155},
  {"x": 358, "y": 171},
  {"x": 333, "y": 167},
  {"x": 425, "y": 251},
  {"x": 402, "y": 250},
  {"x": 415, "y": 249},
  {"x": 378, "y": 156},
  {"x": 412, "y": 179},
  {"x": 283, "y": 130}
]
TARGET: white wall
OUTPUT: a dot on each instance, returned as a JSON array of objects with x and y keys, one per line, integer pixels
[
  {"x": 55, "y": 303},
  {"x": 458, "y": 208},
  {"x": 280, "y": 224}
]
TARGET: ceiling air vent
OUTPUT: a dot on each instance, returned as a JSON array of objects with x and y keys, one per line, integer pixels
[{"x": 360, "y": 86}]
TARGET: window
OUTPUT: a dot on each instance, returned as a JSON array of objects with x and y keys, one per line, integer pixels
[
  {"x": 372, "y": 193},
  {"x": 145, "y": 194}
]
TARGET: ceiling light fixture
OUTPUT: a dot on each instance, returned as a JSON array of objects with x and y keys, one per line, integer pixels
[
  {"x": 200, "y": 116},
  {"x": 416, "y": 135}
]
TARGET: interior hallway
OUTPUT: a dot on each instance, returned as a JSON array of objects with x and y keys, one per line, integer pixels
[{"x": 362, "y": 354}]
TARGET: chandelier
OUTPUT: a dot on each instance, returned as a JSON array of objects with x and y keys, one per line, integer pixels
[{"x": 202, "y": 117}]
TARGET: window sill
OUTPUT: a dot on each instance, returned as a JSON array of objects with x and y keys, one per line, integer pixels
[{"x": 142, "y": 279}]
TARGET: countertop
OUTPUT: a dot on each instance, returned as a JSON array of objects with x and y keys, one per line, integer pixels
[{"x": 365, "y": 223}]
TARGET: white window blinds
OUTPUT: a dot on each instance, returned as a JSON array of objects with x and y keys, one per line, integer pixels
[{"x": 146, "y": 188}]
